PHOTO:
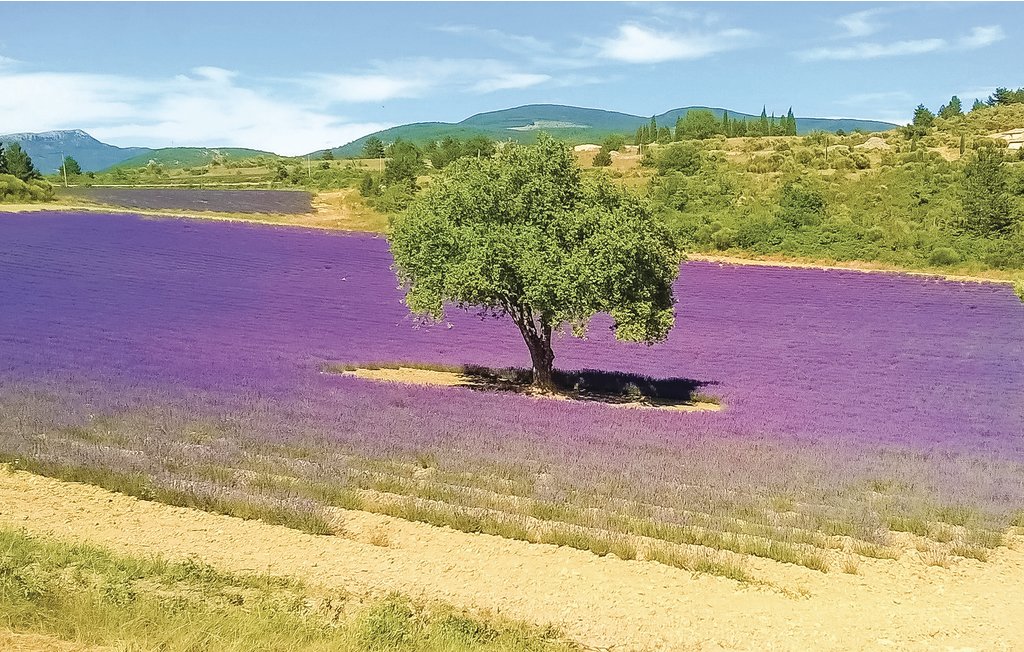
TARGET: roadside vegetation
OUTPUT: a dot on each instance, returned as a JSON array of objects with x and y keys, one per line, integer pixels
[
  {"x": 90, "y": 595},
  {"x": 19, "y": 179}
]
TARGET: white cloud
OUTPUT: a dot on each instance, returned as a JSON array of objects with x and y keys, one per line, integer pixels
[
  {"x": 862, "y": 51},
  {"x": 368, "y": 87},
  {"x": 510, "y": 81},
  {"x": 860, "y": 23},
  {"x": 981, "y": 37},
  {"x": 207, "y": 108},
  {"x": 637, "y": 44}
]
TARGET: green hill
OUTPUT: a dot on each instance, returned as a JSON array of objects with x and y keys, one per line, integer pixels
[
  {"x": 178, "y": 157},
  {"x": 573, "y": 124}
]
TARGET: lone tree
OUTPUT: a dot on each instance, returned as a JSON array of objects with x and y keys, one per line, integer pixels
[
  {"x": 523, "y": 235},
  {"x": 70, "y": 166}
]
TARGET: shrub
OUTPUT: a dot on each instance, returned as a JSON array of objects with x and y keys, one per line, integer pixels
[
  {"x": 602, "y": 159},
  {"x": 944, "y": 256},
  {"x": 682, "y": 157}
]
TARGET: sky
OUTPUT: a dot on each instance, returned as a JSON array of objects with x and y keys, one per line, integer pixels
[{"x": 297, "y": 77}]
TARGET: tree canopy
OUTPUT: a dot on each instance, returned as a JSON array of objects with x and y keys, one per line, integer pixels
[
  {"x": 523, "y": 234},
  {"x": 373, "y": 148},
  {"x": 70, "y": 166},
  {"x": 19, "y": 163}
]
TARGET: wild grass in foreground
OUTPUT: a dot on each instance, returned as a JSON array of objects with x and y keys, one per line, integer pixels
[{"x": 90, "y": 595}]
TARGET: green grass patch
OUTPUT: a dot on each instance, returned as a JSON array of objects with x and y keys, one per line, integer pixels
[{"x": 88, "y": 594}]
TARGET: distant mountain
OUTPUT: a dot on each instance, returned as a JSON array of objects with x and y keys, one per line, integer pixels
[
  {"x": 46, "y": 148},
  {"x": 573, "y": 124},
  {"x": 184, "y": 157}
]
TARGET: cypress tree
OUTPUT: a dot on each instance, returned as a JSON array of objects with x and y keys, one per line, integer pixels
[
  {"x": 765, "y": 127},
  {"x": 790, "y": 123},
  {"x": 725, "y": 123}
]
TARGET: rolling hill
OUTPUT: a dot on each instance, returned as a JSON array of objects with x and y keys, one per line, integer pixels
[
  {"x": 179, "y": 157},
  {"x": 45, "y": 149},
  {"x": 570, "y": 123}
]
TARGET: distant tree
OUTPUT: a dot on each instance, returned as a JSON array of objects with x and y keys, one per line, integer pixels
[
  {"x": 328, "y": 155},
  {"x": 19, "y": 163},
  {"x": 479, "y": 146},
  {"x": 70, "y": 166},
  {"x": 699, "y": 124},
  {"x": 951, "y": 110},
  {"x": 1005, "y": 96},
  {"x": 664, "y": 135},
  {"x": 522, "y": 234},
  {"x": 978, "y": 104},
  {"x": 613, "y": 143},
  {"x": 988, "y": 209},
  {"x": 404, "y": 164},
  {"x": 739, "y": 128},
  {"x": 726, "y": 127},
  {"x": 923, "y": 117},
  {"x": 602, "y": 159},
  {"x": 680, "y": 157},
  {"x": 373, "y": 148},
  {"x": 3, "y": 161},
  {"x": 790, "y": 123},
  {"x": 764, "y": 127},
  {"x": 369, "y": 186}
]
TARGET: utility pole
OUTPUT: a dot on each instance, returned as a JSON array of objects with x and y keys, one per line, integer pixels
[{"x": 64, "y": 167}]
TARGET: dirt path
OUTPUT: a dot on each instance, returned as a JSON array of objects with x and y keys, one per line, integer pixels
[
  {"x": 602, "y": 602},
  {"x": 994, "y": 276}
]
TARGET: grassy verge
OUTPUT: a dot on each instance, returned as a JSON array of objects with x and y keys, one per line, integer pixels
[{"x": 90, "y": 595}]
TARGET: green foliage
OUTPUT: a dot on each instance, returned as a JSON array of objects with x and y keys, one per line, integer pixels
[
  {"x": 801, "y": 203},
  {"x": 450, "y": 149},
  {"x": 923, "y": 117},
  {"x": 942, "y": 256},
  {"x": 1005, "y": 96},
  {"x": 70, "y": 167},
  {"x": 951, "y": 110},
  {"x": 404, "y": 164},
  {"x": 3, "y": 161},
  {"x": 328, "y": 155},
  {"x": 680, "y": 157},
  {"x": 602, "y": 159},
  {"x": 524, "y": 234},
  {"x": 1018, "y": 288},
  {"x": 987, "y": 208},
  {"x": 613, "y": 143},
  {"x": 697, "y": 124},
  {"x": 13, "y": 189},
  {"x": 373, "y": 148},
  {"x": 19, "y": 163}
]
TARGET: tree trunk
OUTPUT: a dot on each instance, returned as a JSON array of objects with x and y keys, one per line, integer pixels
[
  {"x": 538, "y": 340},
  {"x": 543, "y": 360}
]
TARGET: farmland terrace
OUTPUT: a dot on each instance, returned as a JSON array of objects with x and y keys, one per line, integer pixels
[{"x": 182, "y": 361}]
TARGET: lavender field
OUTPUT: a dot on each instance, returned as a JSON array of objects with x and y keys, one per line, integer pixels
[
  {"x": 183, "y": 360},
  {"x": 291, "y": 202}
]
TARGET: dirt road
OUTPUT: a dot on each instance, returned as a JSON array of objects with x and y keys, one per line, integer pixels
[{"x": 601, "y": 602}]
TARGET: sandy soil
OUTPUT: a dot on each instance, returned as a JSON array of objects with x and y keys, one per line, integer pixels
[
  {"x": 413, "y": 376},
  {"x": 602, "y": 602},
  {"x": 995, "y": 276}
]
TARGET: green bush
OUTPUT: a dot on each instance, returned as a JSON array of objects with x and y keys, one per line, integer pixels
[
  {"x": 944, "y": 256},
  {"x": 13, "y": 189}
]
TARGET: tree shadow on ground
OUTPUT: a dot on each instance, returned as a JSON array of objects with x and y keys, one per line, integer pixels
[{"x": 597, "y": 385}]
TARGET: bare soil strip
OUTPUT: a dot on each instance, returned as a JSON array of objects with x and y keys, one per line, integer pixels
[
  {"x": 601, "y": 602},
  {"x": 414, "y": 376}
]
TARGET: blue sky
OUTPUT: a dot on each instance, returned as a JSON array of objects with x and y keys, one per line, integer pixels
[{"x": 295, "y": 77}]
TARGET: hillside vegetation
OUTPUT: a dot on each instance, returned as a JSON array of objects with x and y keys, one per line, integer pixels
[{"x": 937, "y": 194}]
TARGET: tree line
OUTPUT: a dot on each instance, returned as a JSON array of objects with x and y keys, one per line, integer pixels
[{"x": 700, "y": 124}]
